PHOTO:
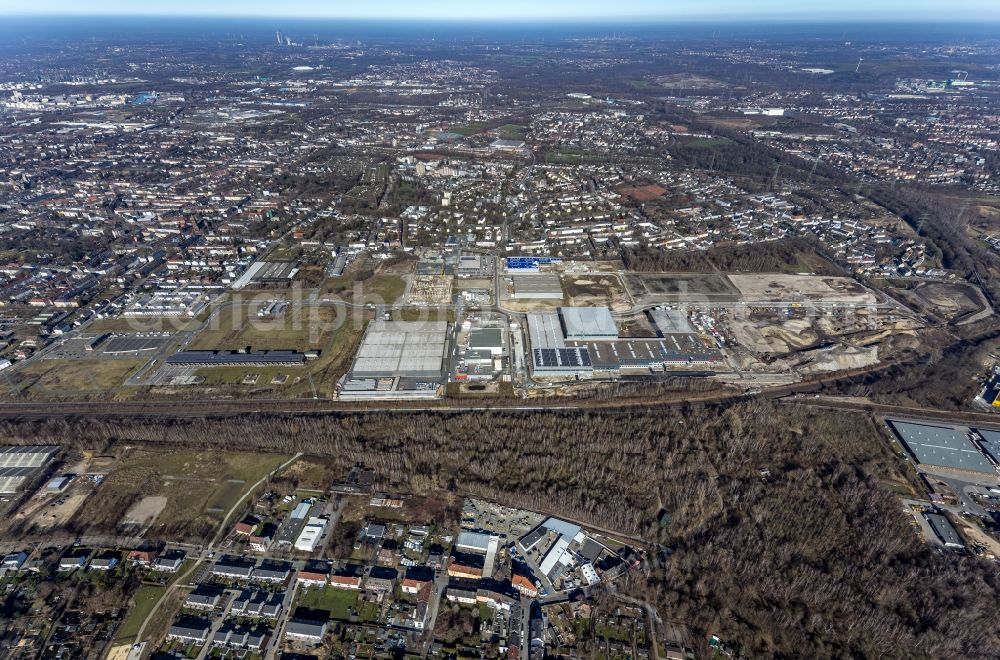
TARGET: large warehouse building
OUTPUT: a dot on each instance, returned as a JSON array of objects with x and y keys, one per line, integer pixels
[
  {"x": 577, "y": 341},
  {"x": 19, "y": 464},
  {"x": 537, "y": 286},
  {"x": 990, "y": 442},
  {"x": 237, "y": 359},
  {"x": 941, "y": 446},
  {"x": 550, "y": 356},
  {"x": 588, "y": 324},
  {"x": 405, "y": 349}
]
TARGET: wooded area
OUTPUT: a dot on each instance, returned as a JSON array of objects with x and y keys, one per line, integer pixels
[{"x": 815, "y": 560}]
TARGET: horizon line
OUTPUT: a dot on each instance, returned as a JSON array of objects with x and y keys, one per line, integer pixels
[{"x": 556, "y": 19}]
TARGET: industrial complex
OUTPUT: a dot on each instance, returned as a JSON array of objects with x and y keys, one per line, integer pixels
[
  {"x": 398, "y": 359},
  {"x": 19, "y": 464},
  {"x": 946, "y": 447},
  {"x": 583, "y": 341}
]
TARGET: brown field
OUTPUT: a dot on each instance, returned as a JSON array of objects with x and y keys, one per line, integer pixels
[
  {"x": 195, "y": 488},
  {"x": 643, "y": 193}
]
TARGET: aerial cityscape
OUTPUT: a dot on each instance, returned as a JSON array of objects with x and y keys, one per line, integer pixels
[{"x": 499, "y": 332}]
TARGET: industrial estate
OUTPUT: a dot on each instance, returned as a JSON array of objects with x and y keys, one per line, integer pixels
[{"x": 337, "y": 339}]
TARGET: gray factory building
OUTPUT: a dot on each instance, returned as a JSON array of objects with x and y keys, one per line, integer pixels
[
  {"x": 670, "y": 321},
  {"x": 550, "y": 357},
  {"x": 409, "y": 349},
  {"x": 941, "y": 446},
  {"x": 944, "y": 530},
  {"x": 537, "y": 286},
  {"x": 588, "y": 323}
]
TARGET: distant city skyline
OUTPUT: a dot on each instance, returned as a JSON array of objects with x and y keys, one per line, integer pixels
[{"x": 565, "y": 10}]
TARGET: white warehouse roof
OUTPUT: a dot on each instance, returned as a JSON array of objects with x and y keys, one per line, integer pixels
[{"x": 588, "y": 322}]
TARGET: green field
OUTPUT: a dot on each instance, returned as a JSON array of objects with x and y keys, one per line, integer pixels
[
  {"x": 303, "y": 327},
  {"x": 511, "y": 132},
  {"x": 708, "y": 143},
  {"x": 146, "y": 597},
  {"x": 378, "y": 289},
  {"x": 136, "y": 324},
  {"x": 76, "y": 377},
  {"x": 340, "y": 603}
]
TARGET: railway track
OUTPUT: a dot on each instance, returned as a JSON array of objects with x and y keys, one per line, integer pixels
[{"x": 222, "y": 408}]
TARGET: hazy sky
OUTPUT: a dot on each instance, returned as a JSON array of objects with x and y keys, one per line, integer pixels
[{"x": 569, "y": 10}]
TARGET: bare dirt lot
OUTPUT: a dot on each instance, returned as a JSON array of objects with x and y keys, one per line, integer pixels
[
  {"x": 145, "y": 511},
  {"x": 773, "y": 333},
  {"x": 778, "y": 287},
  {"x": 595, "y": 290},
  {"x": 680, "y": 287},
  {"x": 945, "y": 301},
  {"x": 47, "y": 510},
  {"x": 643, "y": 193}
]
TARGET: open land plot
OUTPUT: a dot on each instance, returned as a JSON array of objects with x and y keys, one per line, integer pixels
[
  {"x": 597, "y": 289},
  {"x": 302, "y": 327},
  {"x": 377, "y": 289},
  {"x": 474, "y": 283},
  {"x": 440, "y": 508},
  {"x": 145, "y": 599},
  {"x": 781, "y": 287},
  {"x": 314, "y": 472},
  {"x": 340, "y": 603},
  {"x": 947, "y": 301},
  {"x": 645, "y": 193},
  {"x": 368, "y": 282},
  {"x": 784, "y": 330},
  {"x": 191, "y": 482},
  {"x": 127, "y": 324},
  {"x": 690, "y": 81},
  {"x": 681, "y": 287},
  {"x": 46, "y": 510},
  {"x": 77, "y": 377},
  {"x": 145, "y": 511},
  {"x": 423, "y": 314}
]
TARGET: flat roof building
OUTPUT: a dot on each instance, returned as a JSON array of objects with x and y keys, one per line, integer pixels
[
  {"x": 237, "y": 358},
  {"x": 670, "y": 321},
  {"x": 410, "y": 349},
  {"x": 545, "y": 331},
  {"x": 941, "y": 446},
  {"x": 944, "y": 530},
  {"x": 991, "y": 443},
  {"x": 537, "y": 286},
  {"x": 310, "y": 535},
  {"x": 488, "y": 339},
  {"x": 588, "y": 323}
]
